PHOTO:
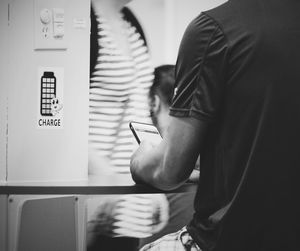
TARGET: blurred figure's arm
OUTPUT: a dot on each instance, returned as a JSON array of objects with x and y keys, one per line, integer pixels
[{"x": 98, "y": 164}]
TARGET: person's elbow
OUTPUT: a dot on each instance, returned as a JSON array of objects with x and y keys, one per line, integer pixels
[{"x": 168, "y": 181}]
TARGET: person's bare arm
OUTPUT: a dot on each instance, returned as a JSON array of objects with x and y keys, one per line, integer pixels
[
  {"x": 170, "y": 164},
  {"x": 98, "y": 164}
]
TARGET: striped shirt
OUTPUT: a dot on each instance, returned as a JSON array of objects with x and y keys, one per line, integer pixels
[{"x": 119, "y": 88}]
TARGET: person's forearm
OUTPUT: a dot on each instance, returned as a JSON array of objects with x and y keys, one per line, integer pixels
[
  {"x": 150, "y": 168},
  {"x": 145, "y": 167}
]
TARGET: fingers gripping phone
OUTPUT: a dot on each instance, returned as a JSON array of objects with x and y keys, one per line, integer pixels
[{"x": 143, "y": 131}]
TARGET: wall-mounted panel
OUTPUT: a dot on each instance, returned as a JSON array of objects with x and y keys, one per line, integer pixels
[{"x": 49, "y": 152}]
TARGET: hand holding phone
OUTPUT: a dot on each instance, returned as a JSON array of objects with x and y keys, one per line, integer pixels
[{"x": 147, "y": 132}]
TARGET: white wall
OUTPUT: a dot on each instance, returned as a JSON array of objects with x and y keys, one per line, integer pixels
[
  {"x": 36, "y": 154},
  {"x": 164, "y": 22}
]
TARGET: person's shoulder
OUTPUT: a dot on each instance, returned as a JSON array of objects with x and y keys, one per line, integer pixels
[
  {"x": 201, "y": 27},
  {"x": 222, "y": 15},
  {"x": 130, "y": 17},
  {"x": 220, "y": 10},
  {"x": 128, "y": 13},
  {"x": 210, "y": 22}
]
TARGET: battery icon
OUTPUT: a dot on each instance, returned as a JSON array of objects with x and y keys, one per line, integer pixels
[{"x": 48, "y": 92}]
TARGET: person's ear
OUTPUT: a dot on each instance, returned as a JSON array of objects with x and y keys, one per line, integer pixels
[{"x": 156, "y": 103}]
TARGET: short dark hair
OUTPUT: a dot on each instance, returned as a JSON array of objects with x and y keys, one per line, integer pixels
[{"x": 163, "y": 84}]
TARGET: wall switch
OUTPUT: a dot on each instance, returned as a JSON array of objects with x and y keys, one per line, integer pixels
[
  {"x": 50, "y": 28},
  {"x": 58, "y": 23}
]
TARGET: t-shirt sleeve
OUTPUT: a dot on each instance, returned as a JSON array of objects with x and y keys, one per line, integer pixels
[{"x": 200, "y": 70}]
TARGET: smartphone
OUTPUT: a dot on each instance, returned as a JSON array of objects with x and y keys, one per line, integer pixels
[{"x": 143, "y": 131}]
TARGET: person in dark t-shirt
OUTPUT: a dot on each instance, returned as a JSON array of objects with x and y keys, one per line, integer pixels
[
  {"x": 160, "y": 98},
  {"x": 237, "y": 104}
]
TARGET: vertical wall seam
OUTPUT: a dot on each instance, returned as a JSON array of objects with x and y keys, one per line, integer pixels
[
  {"x": 8, "y": 14},
  {"x": 7, "y": 94},
  {"x": 6, "y": 149}
]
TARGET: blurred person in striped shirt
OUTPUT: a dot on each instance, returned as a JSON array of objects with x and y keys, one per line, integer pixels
[{"x": 120, "y": 76}]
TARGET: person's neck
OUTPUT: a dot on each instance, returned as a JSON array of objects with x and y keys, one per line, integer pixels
[
  {"x": 110, "y": 9},
  {"x": 163, "y": 120}
]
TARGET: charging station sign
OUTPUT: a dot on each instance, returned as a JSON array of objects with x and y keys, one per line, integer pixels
[{"x": 50, "y": 97}]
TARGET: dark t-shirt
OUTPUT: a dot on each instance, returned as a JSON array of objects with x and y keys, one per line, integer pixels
[{"x": 238, "y": 69}]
